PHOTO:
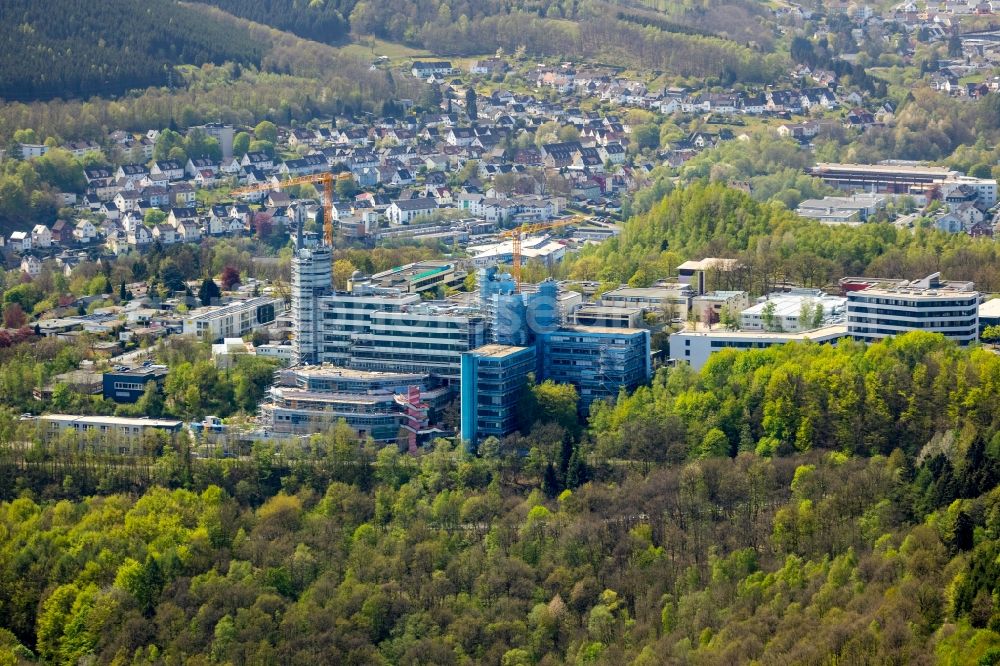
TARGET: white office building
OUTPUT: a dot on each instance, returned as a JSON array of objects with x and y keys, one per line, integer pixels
[
  {"x": 233, "y": 320},
  {"x": 376, "y": 328},
  {"x": 922, "y": 305},
  {"x": 425, "y": 338},
  {"x": 696, "y": 345},
  {"x": 783, "y": 311}
]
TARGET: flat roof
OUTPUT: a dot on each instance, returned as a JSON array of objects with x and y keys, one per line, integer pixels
[
  {"x": 885, "y": 168},
  {"x": 608, "y": 309},
  {"x": 291, "y": 393},
  {"x": 608, "y": 330},
  {"x": 646, "y": 292},
  {"x": 705, "y": 264},
  {"x": 720, "y": 295},
  {"x": 990, "y": 308},
  {"x": 414, "y": 270},
  {"x": 210, "y": 311},
  {"x": 335, "y": 371},
  {"x": 702, "y": 331},
  {"x": 497, "y": 351},
  {"x": 917, "y": 292},
  {"x": 111, "y": 420},
  {"x": 144, "y": 371},
  {"x": 791, "y": 304}
]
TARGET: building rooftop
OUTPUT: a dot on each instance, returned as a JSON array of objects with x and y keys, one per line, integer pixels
[
  {"x": 707, "y": 263},
  {"x": 335, "y": 371},
  {"x": 213, "y": 311},
  {"x": 702, "y": 330},
  {"x": 111, "y": 420},
  {"x": 913, "y": 169},
  {"x": 719, "y": 295},
  {"x": 606, "y": 330},
  {"x": 990, "y": 308},
  {"x": 646, "y": 292},
  {"x": 144, "y": 371},
  {"x": 790, "y": 305},
  {"x": 417, "y": 271},
  {"x": 497, "y": 351},
  {"x": 371, "y": 398}
]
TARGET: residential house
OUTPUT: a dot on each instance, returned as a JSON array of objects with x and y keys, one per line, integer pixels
[
  {"x": 258, "y": 161},
  {"x": 205, "y": 178},
  {"x": 61, "y": 232},
  {"x": 139, "y": 236},
  {"x": 41, "y": 237},
  {"x": 459, "y": 136},
  {"x": 189, "y": 231},
  {"x": 165, "y": 234},
  {"x": 304, "y": 166},
  {"x": 196, "y": 165},
  {"x": 301, "y": 137},
  {"x": 127, "y": 201},
  {"x": 20, "y": 241},
  {"x": 405, "y": 211},
  {"x": 182, "y": 195},
  {"x": 172, "y": 169},
  {"x": 84, "y": 231},
  {"x": 489, "y": 66},
  {"x": 133, "y": 172},
  {"x": 423, "y": 70},
  {"x": 179, "y": 215},
  {"x": 80, "y": 148},
  {"x": 612, "y": 152},
  {"x": 31, "y": 265},
  {"x": 558, "y": 155},
  {"x": 155, "y": 196},
  {"x": 753, "y": 103}
]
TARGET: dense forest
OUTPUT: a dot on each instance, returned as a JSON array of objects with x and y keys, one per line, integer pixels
[
  {"x": 296, "y": 80},
  {"x": 318, "y": 21},
  {"x": 106, "y": 48},
  {"x": 44, "y": 59},
  {"x": 722, "y": 529}
]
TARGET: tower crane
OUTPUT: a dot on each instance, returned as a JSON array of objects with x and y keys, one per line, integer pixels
[
  {"x": 517, "y": 233},
  {"x": 326, "y": 178}
]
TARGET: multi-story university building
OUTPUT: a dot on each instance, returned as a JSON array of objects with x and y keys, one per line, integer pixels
[
  {"x": 951, "y": 309},
  {"x": 493, "y": 381},
  {"x": 380, "y": 405},
  {"x": 488, "y": 346},
  {"x": 598, "y": 361},
  {"x": 376, "y": 328}
]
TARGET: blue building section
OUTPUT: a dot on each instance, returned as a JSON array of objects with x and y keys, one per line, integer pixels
[
  {"x": 515, "y": 318},
  {"x": 493, "y": 381},
  {"x": 598, "y": 361},
  {"x": 128, "y": 385}
]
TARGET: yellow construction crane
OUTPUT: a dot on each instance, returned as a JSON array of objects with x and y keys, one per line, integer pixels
[
  {"x": 325, "y": 178},
  {"x": 517, "y": 233}
]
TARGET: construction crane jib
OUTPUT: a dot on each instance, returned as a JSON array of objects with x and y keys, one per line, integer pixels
[
  {"x": 325, "y": 178},
  {"x": 518, "y": 233}
]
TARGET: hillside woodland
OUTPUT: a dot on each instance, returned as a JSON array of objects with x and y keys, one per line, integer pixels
[
  {"x": 802, "y": 505},
  {"x": 81, "y": 55}
]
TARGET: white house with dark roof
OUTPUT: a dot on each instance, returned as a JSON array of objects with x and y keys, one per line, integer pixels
[{"x": 404, "y": 211}]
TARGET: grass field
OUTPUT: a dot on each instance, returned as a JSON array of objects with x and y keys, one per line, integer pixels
[{"x": 373, "y": 47}]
